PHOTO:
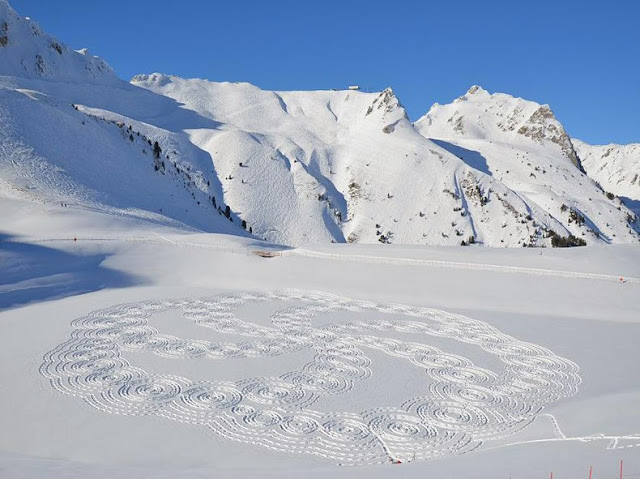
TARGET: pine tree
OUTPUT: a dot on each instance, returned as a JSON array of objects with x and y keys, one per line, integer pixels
[
  {"x": 227, "y": 211},
  {"x": 156, "y": 150}
]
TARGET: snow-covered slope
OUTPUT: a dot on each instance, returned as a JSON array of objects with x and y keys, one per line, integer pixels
[
  {"x": 349, "y": 166},
  {"x": 615, "y": 167},
  {"x": 82, "y": 160},
  {"x": 523, "y": 145},
  {"x": 54, "y": 150}
]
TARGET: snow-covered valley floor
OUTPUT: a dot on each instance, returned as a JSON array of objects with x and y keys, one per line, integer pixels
[{"x": 132, "y": 349}]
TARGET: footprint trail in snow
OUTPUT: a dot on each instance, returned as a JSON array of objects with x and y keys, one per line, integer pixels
[{"x": 461, "y": 407}]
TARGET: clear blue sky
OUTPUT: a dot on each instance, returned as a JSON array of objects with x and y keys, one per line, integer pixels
[{"x": 581, "y": 57}]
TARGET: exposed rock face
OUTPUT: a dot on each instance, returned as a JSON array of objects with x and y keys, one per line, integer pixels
[
  {"x": 4, "y": 34},
  {"x": 387, "y": 103},
  {"x": 542, "y": 125}
]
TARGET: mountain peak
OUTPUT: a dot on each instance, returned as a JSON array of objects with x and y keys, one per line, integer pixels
[
  {"x": 474, "y": 94},
  {"x": 497, "y": 117},
  {"x": 388, "y": 103},
  {"x": 157, "y": 79},
  {"x": 477, "y": 89},
  {"x": 27, "y": 51}
]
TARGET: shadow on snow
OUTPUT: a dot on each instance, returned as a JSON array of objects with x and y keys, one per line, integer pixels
[
  {"x": 472, "y": 158},
  {"x": 32, "y": 273}
]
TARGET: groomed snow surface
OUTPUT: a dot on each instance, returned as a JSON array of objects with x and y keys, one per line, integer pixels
[{"x": 133, "y": 349}]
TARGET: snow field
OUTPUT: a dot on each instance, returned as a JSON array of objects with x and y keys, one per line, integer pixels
[{"x": 463, "y": 406}]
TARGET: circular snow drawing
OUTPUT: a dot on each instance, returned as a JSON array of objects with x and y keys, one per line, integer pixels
[{"x": 460, "y": 406}]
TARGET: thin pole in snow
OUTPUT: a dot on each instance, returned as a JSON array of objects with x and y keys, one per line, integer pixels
[
  {"x": 620, "y": 468},
  {"x": 551, "y": 477},
  {"x": 590, "y": 471}
]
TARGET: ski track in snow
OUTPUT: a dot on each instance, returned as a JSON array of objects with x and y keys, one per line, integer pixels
[
  {"x": 352, "y": 257},
  {"x": 614, "y": 441},
  {"x": 461, "y": 265},
  {"x": 462, "y": 406}
]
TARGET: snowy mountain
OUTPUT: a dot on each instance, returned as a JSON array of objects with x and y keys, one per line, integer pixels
[
  {"x": 615, "y": 167},
  {"x": 54, "y": 150},
  {"x": 350, "y": 166},
  {"x": 482, "y": 116},
  {"x": 290, "y": 167},
  {"x": 522, "y": 144},
  {"x": 27, "y": 51}
]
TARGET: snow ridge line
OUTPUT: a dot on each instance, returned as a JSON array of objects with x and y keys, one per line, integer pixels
[{"x": 461, "y": 265}]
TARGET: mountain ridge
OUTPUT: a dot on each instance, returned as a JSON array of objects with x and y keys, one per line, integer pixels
[{"x": 300, "y": 167}]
